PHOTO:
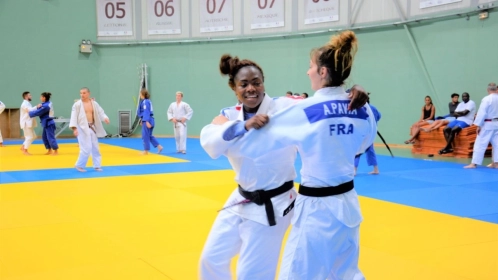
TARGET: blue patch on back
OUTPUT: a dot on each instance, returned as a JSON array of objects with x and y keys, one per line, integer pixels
[{"x": 333, "y": 109}]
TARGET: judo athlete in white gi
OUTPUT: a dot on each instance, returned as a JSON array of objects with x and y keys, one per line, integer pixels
[
  {"x": 28, "y": 124},
  {"x": 146, "y": 114},
  {"x": 487, "y": 128},
  {"x": 324, "y": 239},
  {"x": 179, "y": 113},
  {"x": 86, "y": 123},
  {"x": 45, "y": 111},
  {"x": 2, "y": 107},
  {"x": 255, "y": 228}
]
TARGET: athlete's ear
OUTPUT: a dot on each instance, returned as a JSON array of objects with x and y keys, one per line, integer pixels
[{"x": 323, "y": 72}]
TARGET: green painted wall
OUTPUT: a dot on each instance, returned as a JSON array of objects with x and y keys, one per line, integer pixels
[{"x": 42, "y": 55}]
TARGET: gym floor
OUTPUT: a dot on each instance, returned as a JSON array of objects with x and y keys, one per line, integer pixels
[{"x": 147, "y": 217}]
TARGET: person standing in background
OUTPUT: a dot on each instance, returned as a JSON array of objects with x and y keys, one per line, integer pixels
[
  {"x": 45, "y": 111},
  {"x": 371, "y": 156},
  {"x": 487, "y": 128},
  {"x": 86, "y": 123},
  {"x": 146, "y": 114},
  {"x": 179, "y": 113},
  {"x": 28, "y": 124}
]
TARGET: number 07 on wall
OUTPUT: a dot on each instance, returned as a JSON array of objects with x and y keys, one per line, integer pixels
[
  {"x": 216, "y": 15},
  {"x": 114, "y": 18}
]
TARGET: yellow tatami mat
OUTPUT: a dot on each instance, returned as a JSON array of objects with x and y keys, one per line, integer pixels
[
  {"x": 68, "y": 154},
  {"x": 154, "y": 227}
]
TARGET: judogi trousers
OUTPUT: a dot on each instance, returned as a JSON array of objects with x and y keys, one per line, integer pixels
[
  {"x": 148, "y": 138},
  {"x": 181, "y": 136},
  {"x": 481, "y": 144},
  {"x": 48, "y": 137},
  {"x": 29, "y": 137},
  {"x": 371, "y": 157},
  {"x": 89, "y": 144},
  {"x": 319, "y": 246},
  {"x": 258, "y": 247}
]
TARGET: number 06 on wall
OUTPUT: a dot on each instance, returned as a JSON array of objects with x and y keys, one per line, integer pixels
[
  {"x": 114, "y": 18},
  {"x": 163, "y": 16}
]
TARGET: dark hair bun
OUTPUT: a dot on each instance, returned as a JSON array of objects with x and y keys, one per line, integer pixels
[{"x": 225, "y": 64}]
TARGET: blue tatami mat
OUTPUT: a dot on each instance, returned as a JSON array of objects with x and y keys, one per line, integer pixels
[{"x": 428, "y": 184}]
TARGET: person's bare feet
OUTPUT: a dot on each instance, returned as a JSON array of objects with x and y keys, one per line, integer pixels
[
  {"x": 472, "y": 165},
  {"x": 144, "y": 153},
  {"x": 99, "y": 169},
  {"x": 80, "y": 169},
  {"x": 493, "y": 165},
  {"x": 159, "y": 149},
  {"x": 49, "y": 152},
  {"x": 55, "y": 153},
  {"x": 25, "y": 152},
  {"x": 375, "y": 171}
]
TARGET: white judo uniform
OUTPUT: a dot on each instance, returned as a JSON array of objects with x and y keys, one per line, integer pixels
[
  {"x": 88, "y": 133},
  {"x": 487, "y": 119},
  {"x": 27, "y": 124},
  {"x": 324, "y": 240},
  {"x": 179, "y": 111},
  {"x": 244, "y": 229},
  {"x": 2, "y": 107}
]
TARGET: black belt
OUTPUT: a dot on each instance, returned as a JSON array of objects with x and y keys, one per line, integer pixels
[
  {"x": 261, "y": 197},
  {"x": 327, "y": 191},
  {"x": 490, "y": 120}
]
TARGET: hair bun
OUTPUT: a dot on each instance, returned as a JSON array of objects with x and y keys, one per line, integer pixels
[
  {"x": 346, "y": 39},
  {"x": 225, "y": 64}
]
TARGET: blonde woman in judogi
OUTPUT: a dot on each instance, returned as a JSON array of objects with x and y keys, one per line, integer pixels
[
  {"x": 2, "y": 107},
  {"x": 258, "y": 212},
  {"x": 179, "y": 113},
  {"x": 324, "y": 239},
  {"x": 86, "y": 123},
  {"x": 487, "y": 128},
  {"x": 27, "y": 123}
]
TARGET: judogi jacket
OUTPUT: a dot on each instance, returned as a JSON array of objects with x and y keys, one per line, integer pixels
[
  {"x": 327, "y": 137},
  {"x": 267, "y": 172},
  {"x": 78, "y": 118}
]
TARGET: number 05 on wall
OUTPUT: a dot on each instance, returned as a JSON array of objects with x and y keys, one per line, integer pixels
[{"x": 114, "y": 18}]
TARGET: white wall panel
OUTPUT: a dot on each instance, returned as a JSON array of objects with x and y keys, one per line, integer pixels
[
  {"x": 288, "y": 6},
  {"x": 343, "y": 17},
  {"x": 378, "y": 11},
  {"x": 185, "y": 23},
  {"x": 416, "y": 11},
  {"x": 195, "y": 19},
  {"x": 123, "y": 38}
]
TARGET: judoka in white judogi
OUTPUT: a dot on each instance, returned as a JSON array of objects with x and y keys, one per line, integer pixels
[
  {"x": 179, "y": 113},
  {"x": 244, "y": 229},
  {"x": 487, "y": 120},
  {"x": 327, "y": 137},
  {"x": 27, "y": 123},
  {"x": 88, "y": 133}
]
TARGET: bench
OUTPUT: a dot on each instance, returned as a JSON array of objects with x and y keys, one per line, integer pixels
[{"x": 463, "y": 146}]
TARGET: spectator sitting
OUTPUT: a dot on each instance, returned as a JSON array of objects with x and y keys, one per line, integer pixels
[
  {"x": 288, "y": 94},
  {"x": 440, "y": 121},
  {"x": 465, "y": 113},
  {"x": 304, "y": 95},
  {"x": 427, "y": 116}
]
